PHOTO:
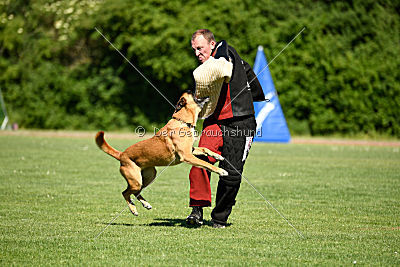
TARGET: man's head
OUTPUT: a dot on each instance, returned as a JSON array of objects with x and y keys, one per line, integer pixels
[{"x": 203, "y": 42}]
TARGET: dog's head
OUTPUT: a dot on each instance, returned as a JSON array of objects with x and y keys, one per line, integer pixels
[
  {"x": 189, "y": 104},
  {"x": 189, "y": 101}
]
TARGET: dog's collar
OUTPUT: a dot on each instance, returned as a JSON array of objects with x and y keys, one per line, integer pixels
[{"x": 188, "y": 124}]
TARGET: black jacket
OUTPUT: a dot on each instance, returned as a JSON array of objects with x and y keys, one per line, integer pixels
[{"x": 236, "y": 98}]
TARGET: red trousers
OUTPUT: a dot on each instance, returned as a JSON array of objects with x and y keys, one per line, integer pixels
[{"x": 200, "y": 190}]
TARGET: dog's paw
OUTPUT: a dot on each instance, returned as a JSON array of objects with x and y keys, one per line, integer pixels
[
  {"x": 223, "y": 173},
  {"x": 135, "y": 213},
  {"x": 219, "y": 157},
  {"x": 147, "y": 206}
]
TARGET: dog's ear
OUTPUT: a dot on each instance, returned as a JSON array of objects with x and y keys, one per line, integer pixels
[{"x": 181, "y": 103}]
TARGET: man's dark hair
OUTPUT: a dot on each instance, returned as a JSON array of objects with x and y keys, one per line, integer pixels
[{"x": 207, "y": 34}]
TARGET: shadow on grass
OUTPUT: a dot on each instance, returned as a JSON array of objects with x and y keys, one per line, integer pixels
[
  {"x": 177, "y": 222},
  {"x": 167, "y": 222},
  {"x": 121, "y": 224},
  {"x": 171, "y": 222}
]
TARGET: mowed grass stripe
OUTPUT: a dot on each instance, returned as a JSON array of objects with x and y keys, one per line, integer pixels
[{"x": 57, "y": 194}]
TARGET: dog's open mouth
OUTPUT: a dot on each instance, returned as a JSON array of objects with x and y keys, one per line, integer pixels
[{"x": 199, "y": 101}]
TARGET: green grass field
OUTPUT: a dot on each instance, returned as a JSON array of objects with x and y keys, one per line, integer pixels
[{"x": 58, "y": 193}]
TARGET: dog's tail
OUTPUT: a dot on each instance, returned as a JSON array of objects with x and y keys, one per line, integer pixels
[{"x": 103, "y": 145}]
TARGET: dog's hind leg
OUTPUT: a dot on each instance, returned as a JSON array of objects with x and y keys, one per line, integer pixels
[
  {"x": 144, "y": 202},
  {"x": 148, "y": 176},
  {"x": 133, "y": 177}
]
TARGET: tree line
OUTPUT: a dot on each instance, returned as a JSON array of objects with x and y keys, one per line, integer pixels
[{"x": 340, "y": 76}]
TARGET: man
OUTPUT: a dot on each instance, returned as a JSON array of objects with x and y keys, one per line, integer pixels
[{"x": 229, "y": 131}]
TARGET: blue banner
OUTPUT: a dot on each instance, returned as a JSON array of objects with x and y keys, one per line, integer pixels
[{"x": 271, "y": 123}]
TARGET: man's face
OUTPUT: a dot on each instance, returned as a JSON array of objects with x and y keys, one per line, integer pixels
[{"x": 202, "y": 48}]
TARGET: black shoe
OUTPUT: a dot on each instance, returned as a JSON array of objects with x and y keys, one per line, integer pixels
[
  {"x": 196, "y": 217},
  {"x": 217, "y": 225}
]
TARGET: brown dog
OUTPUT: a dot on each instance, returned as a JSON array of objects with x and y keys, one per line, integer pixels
[{"x": 171, "y": 145}]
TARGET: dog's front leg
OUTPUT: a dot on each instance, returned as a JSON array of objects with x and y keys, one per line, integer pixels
[
  {"x": 192, "y": 160},
  {"x": 202, "y": 151}
]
